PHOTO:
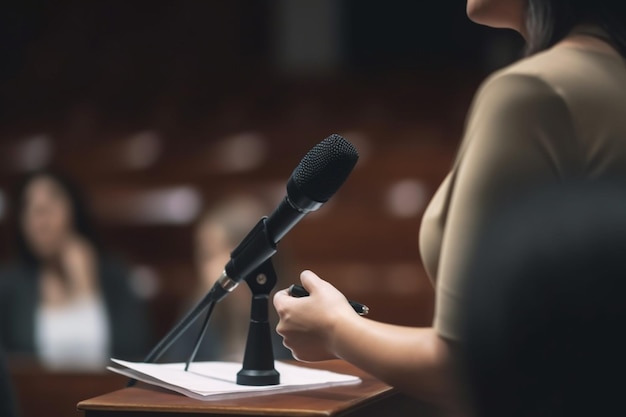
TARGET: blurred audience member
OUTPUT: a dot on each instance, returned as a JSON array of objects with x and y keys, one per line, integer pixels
[
  {"x": 218, "y": 232},
  {"x": 64, "y": 301},
  {"x": 545, "y": 315}
]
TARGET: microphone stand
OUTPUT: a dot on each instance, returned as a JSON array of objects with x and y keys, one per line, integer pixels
[{"x": 258, "y": 363}]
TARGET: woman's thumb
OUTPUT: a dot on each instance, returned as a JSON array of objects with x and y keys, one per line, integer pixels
[{"x": 310, "y": 281}]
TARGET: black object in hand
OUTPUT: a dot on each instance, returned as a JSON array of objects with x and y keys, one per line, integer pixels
[{"x": 299, "y": 291}]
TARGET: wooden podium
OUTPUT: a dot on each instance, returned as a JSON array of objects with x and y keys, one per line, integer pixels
[{"x": 369, "y": 398}]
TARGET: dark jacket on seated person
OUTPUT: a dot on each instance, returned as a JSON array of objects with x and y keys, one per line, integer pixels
[{"x": 128, "y": 323}]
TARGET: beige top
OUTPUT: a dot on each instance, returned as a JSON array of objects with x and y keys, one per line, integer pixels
[{"x": 557, "y": 115}]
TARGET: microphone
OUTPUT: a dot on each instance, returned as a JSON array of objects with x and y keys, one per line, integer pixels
[{"x": 316, "y": 178}]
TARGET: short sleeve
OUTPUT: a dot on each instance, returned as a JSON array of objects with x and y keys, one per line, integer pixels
[{"x": 519, "y": 136}]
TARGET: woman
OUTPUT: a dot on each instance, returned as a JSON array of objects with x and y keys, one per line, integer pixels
[
  {"x": 64, "y": 301},
  {"x": 560, "y": 113}
]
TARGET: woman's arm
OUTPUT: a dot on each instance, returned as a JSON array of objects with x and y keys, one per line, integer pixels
[
  {"x": 519, "y": 137},
  {"x": 324, "y": 326}
]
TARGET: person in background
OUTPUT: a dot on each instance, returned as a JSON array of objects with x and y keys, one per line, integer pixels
[
  {"x": 543, "y": 323},
  {"x": 217, "y": 233},
  {"x": 65, "y": 301},
  {"x": 558, "y": 114}
]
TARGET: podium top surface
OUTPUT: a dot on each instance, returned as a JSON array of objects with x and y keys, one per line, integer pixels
[{"x": 330, "y": 401}]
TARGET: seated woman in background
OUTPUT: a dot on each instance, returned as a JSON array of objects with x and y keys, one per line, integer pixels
[{"x": 64, "y": 302}]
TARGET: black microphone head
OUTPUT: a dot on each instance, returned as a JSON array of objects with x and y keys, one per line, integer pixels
[{"x": 324, "y": 169}]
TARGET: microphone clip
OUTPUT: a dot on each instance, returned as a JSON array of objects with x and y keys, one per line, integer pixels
[{"x": 255, "y": 249}]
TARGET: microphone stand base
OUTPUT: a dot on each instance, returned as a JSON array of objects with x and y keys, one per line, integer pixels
[{"x": 258, "y": 378}]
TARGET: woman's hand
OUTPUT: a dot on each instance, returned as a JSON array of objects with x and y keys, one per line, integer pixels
[
  {"x": 72, "y": 275},
  {"x": 324, "y": 326},
  {"x": 308, "y": 324},
  {"x": 78, "y": 264}
]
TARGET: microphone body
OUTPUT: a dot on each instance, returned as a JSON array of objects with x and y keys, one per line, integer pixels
[
  {"x": 318, "y": 176},
  {"x": 291, "y": 210}
]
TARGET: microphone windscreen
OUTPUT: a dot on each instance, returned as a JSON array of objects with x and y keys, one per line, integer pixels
[{"x": 325, "y": 168}]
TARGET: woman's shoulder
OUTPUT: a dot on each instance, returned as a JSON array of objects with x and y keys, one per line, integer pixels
[
  {"x": 515, "y": 90},
  {"x": 112, "y": 267},
  {"x": 564, "y": 72},
  {"x": 116, "y": 276},
  {"x": 531, "y": 75}
]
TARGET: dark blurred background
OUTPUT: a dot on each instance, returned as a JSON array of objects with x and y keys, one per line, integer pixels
[{"x": 161, "y": 108}]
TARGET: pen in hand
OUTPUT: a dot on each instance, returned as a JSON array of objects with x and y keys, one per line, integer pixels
[{"x": 299, "y": 291}]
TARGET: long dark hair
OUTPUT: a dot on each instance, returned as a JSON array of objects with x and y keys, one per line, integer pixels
[
  {"x": 81, "y": 219},
  {"x": 549, "y": 21}
]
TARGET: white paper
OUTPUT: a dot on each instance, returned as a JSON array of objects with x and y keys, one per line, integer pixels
[{"x": 217, "y": 380}]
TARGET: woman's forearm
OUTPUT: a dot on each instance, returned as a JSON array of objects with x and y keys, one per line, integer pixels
[{"x": 414, "y": 360}]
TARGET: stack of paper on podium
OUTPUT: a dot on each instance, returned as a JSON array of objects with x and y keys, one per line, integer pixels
[{"x": 217, "y": 380}]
